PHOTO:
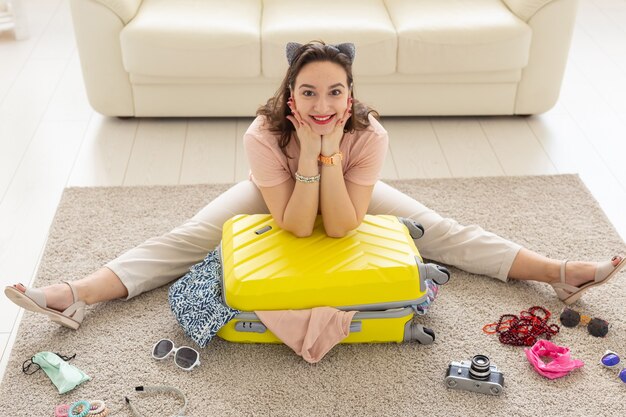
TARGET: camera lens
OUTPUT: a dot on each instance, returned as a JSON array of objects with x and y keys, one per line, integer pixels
[{"x": 479, "y": 368}]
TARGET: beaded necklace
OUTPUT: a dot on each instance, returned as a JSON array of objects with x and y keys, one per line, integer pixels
[{"x": 525, "y": 329}]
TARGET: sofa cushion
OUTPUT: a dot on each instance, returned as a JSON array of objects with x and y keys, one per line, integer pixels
[
  {"x": 436, "y": 36},
  {"x": 362, "y": 22},
  {"x": 194, "y": 38}
]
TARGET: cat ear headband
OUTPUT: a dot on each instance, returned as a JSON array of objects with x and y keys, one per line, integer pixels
[{"x": 346, "y": 48}]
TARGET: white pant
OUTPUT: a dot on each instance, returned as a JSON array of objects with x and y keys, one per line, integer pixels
[{"x": 162, "y": 259}]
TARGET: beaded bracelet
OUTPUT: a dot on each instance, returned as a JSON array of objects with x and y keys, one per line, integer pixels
[
  {"x": 308, "y": 180},
  {"x": 61, "y": 410},
  {"x": 84, "y": 409},
  {"x": 103, "y": 413},
  {"x": 97, "y": 407},
  {"x": 525, "y": 329}
]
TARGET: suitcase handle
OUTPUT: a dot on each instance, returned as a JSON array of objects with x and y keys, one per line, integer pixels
[
  {"x": 258, "y": 327},
  {"x": 263, "y": 230},
  {"x": 250, "y": 327}
]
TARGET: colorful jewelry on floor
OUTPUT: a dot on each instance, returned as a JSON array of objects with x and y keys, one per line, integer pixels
[
  {"x": 524, "y": 330},
  {"x": 103, "y": 413},
  {"x": 61, "y": 410},
  {"x": 94, "y": 408},
  {"x": 97, "y": 407},
  {"x": 79, "y": 409}
]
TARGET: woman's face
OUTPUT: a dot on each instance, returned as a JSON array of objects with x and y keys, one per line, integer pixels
[{"x": 321, "y": 94}]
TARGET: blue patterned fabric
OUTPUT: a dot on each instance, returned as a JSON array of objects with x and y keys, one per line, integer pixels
[
  {"x": 196, "y": 300},
  {"x": 432, "y": 289}
]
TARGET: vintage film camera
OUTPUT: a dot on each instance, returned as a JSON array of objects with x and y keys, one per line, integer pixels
[{"x": 478, "y": 376}]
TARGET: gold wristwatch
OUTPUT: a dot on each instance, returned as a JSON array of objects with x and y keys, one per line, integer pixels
[{"x": 334, "y": 159}]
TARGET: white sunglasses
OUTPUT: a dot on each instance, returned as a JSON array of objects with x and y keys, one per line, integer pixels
[{"x": 185, "y": 357}]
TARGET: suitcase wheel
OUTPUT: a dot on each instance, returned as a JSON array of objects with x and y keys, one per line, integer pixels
[
  {"x": 430, "y": 332},
  {"x": 437, "y": 273},
  {"x": 422, "y": 335},
  {"x": 444, "y": 275},
  {"x": 416, "y": 230}
]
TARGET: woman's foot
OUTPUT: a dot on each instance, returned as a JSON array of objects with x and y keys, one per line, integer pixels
[
  {"x": 58, "y": 296},
  {"x": 579, "y": 273},
  {"x": 576, "y": 277},
  {"x": 69, "y": 314}
]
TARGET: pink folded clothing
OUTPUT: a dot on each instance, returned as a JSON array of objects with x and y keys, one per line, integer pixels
[
  {"x": 561, "y": 363},
  {"x": 310, "y": 333}
]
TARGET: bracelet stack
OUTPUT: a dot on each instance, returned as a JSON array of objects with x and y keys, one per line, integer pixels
[
  {"x": 98, "y": 409},
  {"x": 95, "y": 408},
  {"x": 308, "y": 180},
  {"x": 79, "y": 409}
]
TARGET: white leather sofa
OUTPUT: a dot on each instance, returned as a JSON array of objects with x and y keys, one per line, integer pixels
[{"x": 414, "y": 57}]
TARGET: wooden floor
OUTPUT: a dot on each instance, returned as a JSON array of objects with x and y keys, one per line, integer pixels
[{"x": 50, "y": 138}]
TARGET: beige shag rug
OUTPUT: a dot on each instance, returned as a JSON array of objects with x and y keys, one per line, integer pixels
[{"x": 555, "y": 215}]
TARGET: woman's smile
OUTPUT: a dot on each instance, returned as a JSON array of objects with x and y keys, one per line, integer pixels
[{"x": 322, "y": 120}]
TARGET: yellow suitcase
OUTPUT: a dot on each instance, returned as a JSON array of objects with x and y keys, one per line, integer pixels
[{"x": 375, "y": 270}]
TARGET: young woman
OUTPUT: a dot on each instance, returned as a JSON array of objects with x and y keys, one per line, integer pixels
[{"x": 313, "y": 148}]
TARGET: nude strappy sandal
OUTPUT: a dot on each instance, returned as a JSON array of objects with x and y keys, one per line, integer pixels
[
  {"x": 604, "y": 272},
  {"x": 34, "y": 300}
]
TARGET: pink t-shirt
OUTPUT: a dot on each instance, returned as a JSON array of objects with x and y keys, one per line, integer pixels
[{"x": 363, "y": 154}]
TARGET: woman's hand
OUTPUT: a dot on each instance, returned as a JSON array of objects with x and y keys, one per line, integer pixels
[
  {"x": 330, "y": 142},
  {"x": 310, "y": 142}
]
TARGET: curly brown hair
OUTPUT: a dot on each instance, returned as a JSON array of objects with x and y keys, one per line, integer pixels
[{"x": 276, "y": 109}]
